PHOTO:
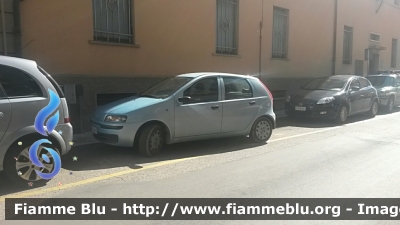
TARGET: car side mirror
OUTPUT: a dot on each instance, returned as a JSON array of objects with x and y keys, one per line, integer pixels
[
  {"x": 355, "y": 88},
  {"x": 185, "y": 99}
]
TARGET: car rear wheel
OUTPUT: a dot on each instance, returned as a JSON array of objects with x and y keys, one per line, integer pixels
[
  {"x": 261, "y": 130},
  {"x": 19, "y": 168},
  {"x": 390, "y": 105},
  {"x": 374, "y": 109},
  {"x": 151, "y": 140},
  {"x": 342, "y": 114}
]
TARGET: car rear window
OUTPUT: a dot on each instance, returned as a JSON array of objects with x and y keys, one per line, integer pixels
[
  {"x": 53, "y": 82},
  {"x": 18, "y": 84}
]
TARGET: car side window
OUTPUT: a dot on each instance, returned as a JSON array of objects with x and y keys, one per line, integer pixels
[
  {"x": 354, "y": 84},
  {"x": 364, "y": 83},
  {"x": 18, "y": 84},
  {"x": 237, "y": 88},
  {"x": 398, "y": 80},
  {"x": 205, "y": 90}
]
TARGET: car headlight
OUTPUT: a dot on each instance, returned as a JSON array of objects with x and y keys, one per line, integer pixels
[
  {"x": 115, "y": 119},
  {"x": 382, "y": 93},
  {"x": 325, "y": 100},
  {"x": 288, "y": 98}
]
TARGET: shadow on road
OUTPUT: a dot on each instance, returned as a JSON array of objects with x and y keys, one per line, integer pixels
[
  {"x": 101, "y": 156},
  {"x": 321, "y": 123}
]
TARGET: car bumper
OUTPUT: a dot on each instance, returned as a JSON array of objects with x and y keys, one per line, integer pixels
[
  {"x": 383, "y": 100},
  {"x": 122, "y": 134},
  {"x": 66, "y": 132},
  {"x": 325, "y": 111}
]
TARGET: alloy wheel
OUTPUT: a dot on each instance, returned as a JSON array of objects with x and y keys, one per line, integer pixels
[
  {"x": 390, "y": 104},
  {"x": 26, "y": 169},
  {"x": 155, "y": 141},
  {"x": 343, "y": 114},
  {"x": 375, "y": 108}
]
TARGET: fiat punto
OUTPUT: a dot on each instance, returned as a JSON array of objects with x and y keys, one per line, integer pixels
[{"x": 188, "y": 107}]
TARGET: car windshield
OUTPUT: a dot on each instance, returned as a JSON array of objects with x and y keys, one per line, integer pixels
[
  {"x": 166, "y": 88},
  {"x": 326, "y": 84},
  {"x": 381, "y": 81}
]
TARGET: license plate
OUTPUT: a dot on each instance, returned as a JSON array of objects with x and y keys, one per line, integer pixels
[
  {"x": 300, "y": 108},
  {"x": 94, "y": 130}
]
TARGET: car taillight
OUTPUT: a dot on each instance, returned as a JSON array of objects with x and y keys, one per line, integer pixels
[
  {"x": 269, "y": 93},
  {"x": 66, "y": 120}
]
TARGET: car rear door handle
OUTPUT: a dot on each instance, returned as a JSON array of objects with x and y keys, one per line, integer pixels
[
  {"x": 214, "y": 107},
  {"x": 252, "y": 102}
]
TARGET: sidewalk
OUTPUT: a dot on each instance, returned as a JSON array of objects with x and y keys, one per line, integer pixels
[{"x": 87, "y": 137}]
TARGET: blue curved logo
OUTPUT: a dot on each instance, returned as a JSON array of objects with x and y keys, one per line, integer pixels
[
  {"x": 46, "y": 112},
  {"x": 45, "y": 131}
]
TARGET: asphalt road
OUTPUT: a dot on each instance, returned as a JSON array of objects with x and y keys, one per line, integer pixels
[{"x": 303, "y": 159}]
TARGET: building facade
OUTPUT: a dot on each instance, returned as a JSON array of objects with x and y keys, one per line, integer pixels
[{"x": 102, "y": 50}]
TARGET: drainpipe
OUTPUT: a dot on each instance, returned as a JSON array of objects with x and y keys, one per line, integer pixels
[
  {"x": 4, "y": 27},
  {"x": 334, "y": 38},
  {"x": 261, "y": 26},
  {"x": 17, "y": 28}
]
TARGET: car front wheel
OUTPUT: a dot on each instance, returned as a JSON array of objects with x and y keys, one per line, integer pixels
[
  {"x": 390, "y": 105},
  {"x": 374, "y": 109},
  {"x": 151, "y": 140},
  {"x": 261, "y": 130},
  {"x": 342, "y": 114}
]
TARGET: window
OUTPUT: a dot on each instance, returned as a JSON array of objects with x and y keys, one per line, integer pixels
[
  {"x": 18, "y": 84},
  {"x": 394, "y": 54},
  {"x": 354, "y": 84},
  {"x": 112, "y": 21},
  {"x": 375, "y": 37},
  {"x": 347, "y": 45},
  {"x": 205, "y": 90},
  {"x": 280, "y": 33},
  {"x": 364, "y": 83},
  {"x": 166, "y": 88},
  {"x": 237, "y": 88},
  {"x": 227, "y": 27},
  {"x": 398, "y": 81}
]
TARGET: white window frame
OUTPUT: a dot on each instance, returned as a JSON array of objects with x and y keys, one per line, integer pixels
[{"x": 280, "y": 41}]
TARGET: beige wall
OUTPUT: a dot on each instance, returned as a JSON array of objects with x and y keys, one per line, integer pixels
[
  {"x": 177, "y": 36},
  {"x": 362, "y": 16}
]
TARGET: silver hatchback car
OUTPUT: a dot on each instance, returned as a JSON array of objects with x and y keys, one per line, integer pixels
[
  {"x": 188, "y": 107},
  {"x": 24, "y": 92}
]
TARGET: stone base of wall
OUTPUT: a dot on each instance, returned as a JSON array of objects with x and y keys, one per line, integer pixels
[{"x": 81, "y": 112}]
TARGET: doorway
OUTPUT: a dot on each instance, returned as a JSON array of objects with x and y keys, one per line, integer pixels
[{"x": 374, "y": 63}]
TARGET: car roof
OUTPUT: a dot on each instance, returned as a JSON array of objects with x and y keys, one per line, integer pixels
[
  {"x": 16, "y": 62},
  {"x": 383, "y": 75},
  {"x": 343, "y": 76},
  {"x": 204, "y": 74}
]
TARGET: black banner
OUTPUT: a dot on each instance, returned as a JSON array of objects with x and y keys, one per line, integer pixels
[{"x": 202, "y": 209}]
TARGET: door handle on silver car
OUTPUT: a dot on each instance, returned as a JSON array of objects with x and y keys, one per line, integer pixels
[
  {"x": 214, "y": 107},
  {"x": 252, "y": 102}
]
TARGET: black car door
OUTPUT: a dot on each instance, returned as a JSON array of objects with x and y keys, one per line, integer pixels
[
  {"x": 355, "y": 98},
  {"x": 366, "y": 94}
]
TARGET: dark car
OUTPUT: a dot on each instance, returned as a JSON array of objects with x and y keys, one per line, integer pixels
[
  {"x": 388, "y": 87},
  {"x": 335, "y": 97}
]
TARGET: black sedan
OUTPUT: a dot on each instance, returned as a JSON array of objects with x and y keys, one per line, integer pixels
[{"x": 335, "y": 97}]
